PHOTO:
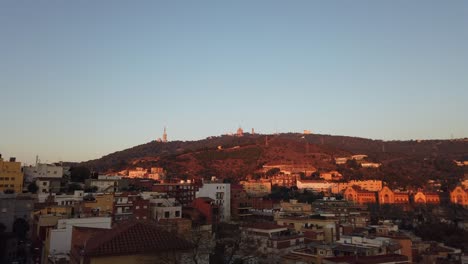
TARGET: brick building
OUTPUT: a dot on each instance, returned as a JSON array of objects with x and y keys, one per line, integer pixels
[
  {"x": 387, "y": 196},
  {"x": 459, "y": 195},
  {"x": 184, "y": 192},
  {"x": 359, "y": 196},
  {"x": 128, "y": 206}
]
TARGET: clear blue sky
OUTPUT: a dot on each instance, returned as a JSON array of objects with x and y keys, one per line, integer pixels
[{"x": 81, "y": 79}]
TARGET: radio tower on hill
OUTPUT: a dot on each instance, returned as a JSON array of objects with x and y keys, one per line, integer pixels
[{"x": 164, "y": 138}]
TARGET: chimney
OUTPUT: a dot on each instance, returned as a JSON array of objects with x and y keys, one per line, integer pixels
[{"x": 12, "y": 159}]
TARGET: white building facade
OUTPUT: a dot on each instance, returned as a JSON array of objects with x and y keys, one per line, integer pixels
[
  {"x": 42, "y": 170},
  {"x": 163, "y": 207},
  {"x": 58, "y": 242},
  {"x": 221, "y": 193}
]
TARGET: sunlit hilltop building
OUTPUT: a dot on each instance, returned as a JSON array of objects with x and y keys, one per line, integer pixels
[
  {"x": 426, "y": 198},
  {"x": 459, "y": 195},
  {"x": 357, "y": 195},
  {"x": 387, "y": 196}
]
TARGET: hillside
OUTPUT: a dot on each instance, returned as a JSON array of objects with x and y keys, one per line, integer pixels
[{"x": 411, "y": 161}]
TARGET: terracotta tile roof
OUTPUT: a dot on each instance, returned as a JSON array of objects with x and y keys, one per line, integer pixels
[
  {"x": 369, "y": 259},
  {"x": 134, "y": 238}
]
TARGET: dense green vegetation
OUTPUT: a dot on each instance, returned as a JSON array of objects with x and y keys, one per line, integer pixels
[{"x": 449, "y": 234}]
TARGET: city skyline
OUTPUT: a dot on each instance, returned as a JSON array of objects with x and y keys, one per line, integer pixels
[{"x": 81, "y": 80}]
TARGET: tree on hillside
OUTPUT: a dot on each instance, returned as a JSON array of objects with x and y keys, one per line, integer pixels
[
  {"x": 272, "y": 172},
  {"x": 74, "y": 187},
  {"x": 353, "y": 164},
  {"x": 80, "y": 174},
  {"x": 32, "y": 187}
]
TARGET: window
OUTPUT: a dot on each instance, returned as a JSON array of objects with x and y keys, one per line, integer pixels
[
  {"x": 44, "y": 183},
  {"x": 12, "y": 178},
  {"x": 145, "y": 206},
  {"x": 137, "y": 207},
  {"x": 177, "y": 213},
  {"x": 166, "y": 214}
]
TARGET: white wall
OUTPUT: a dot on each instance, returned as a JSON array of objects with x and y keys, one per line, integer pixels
[
  {"x": 60, "y": 238},
  {"x": 42, "y": 170},
  {"x": 221, "y": 193}
]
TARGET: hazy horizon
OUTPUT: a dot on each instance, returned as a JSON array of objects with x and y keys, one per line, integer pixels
[{"x": 80, "y": 80}]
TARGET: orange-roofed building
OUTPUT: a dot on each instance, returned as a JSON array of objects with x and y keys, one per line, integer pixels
[
  {"x": 359, "y": 196},
  {"x": 135, "y": 242},
  {"x": 426, "y": 198},
  {"x": 459, "y": 195},
  {"x": 387, "y": 196}
]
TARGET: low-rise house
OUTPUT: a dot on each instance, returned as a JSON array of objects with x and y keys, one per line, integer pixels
[
  {"x": 107, "y": 183},
  {"x": 163, "y": 207},
  {"x": 97, "y": 204},
  {"x": 133, "y": 242},
  {"x": 58, "y": 240},
  {"x": 284, "y": 179},
  {"x": 269, "y": 238},
  {"x": 315, "y": 223},
  {"x": 128, "y": 206},
  {"x": 371, "y": 245},
  {"x": 48, "y": 184},
  {"x": 380, "y": 259},
  {"x": 42, "y": 170},
  {"x": 371, "y": 164},
  {"x": 295, "y": 207},
  {"x": 67, "y": 199},
  {"x": 137, "y": 173},
  {"x": 312, "y": 253},
  {"x": 359, "y": 157},
  {"x": 341, "y": 160},
  {"x": 331, "y": 176},
  {"x": 258, "y": 188}
]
